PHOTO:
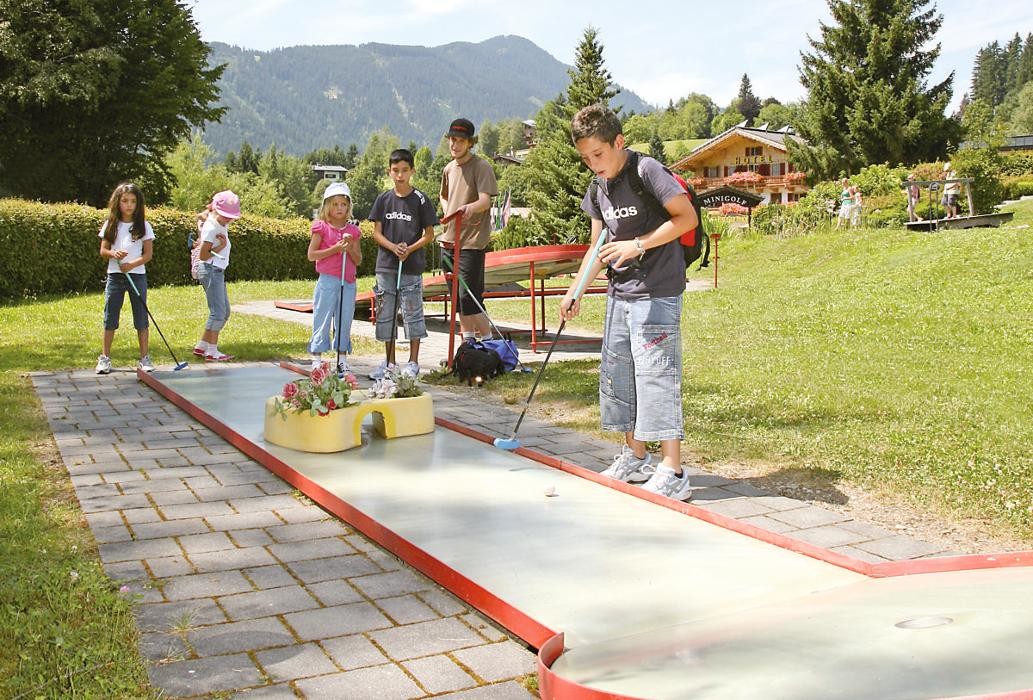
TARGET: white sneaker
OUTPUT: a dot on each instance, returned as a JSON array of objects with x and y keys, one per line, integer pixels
[
  {"x": 103, "y": 364},
  {"x": 378, "y": 374},
  {"x": 412, "y": 368},
  {"x": 629, "y": 468},
  {"x": 667, "y": 483},
  {"x": 317, "y": 360},
  {"x": 145, "y": 363},
  {"x": 344, "y": 368}
]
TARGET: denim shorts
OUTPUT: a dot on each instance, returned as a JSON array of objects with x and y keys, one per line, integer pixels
[
  {"x": 213, "y": 279},
  {"x": 410, "y": 302},
  {"x": 114, "y": 296},
  {"x": 640, "y": 372}
]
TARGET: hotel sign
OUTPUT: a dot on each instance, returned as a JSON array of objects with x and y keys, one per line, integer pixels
[{"x": 753, "y": 160}]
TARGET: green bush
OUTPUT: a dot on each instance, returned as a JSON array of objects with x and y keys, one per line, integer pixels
[
  {"x": 1020, "y": 163},
  {"x": 54, "y": 248},
  {"x": 1014, "y": 187},
  {"x": 879, "y": 179},
  {"x": 984, "y": 165},
  {"x": 884, "y": 211}
]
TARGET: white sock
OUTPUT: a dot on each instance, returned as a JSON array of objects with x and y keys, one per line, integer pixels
[
  {"x": 213, "y": 350},
  {"x": 202, "y": 345},
  {"x": 468, "y": 335}
]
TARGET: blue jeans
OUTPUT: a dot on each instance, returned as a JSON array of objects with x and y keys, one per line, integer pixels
[
  {"x": 213, "y": 279},
  {"x": 411, "y": 304},
  {"x": 114, "y": 296},
  {"x": 325, "y": 301},
  {"x": 640, "y": 372}
]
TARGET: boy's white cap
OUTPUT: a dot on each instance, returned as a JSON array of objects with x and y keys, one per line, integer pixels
[{"x": 335, "y": 189}]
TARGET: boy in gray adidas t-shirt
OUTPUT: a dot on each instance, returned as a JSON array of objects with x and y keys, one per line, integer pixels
[
  {"x": 403, "y": 223},
  {"x": 640, "y": 370}
]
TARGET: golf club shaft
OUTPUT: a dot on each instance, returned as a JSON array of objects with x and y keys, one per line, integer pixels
[
  {"x": 394, "y": 316},
  {"x": 538, "y": 378},
  {"x": 129, "y": 278},
  {"x": 480, "y": 306},
  {"x": 340, "y": 309},
  {"x": 563, "y": 324}
]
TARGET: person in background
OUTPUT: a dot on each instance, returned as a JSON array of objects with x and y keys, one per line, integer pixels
[
  {"x": 468, "y": 185},
  {"x": 126, "y": 240},
  {"x": 214, "y": 223},
  {"x": 403, "y": 223},
  {"x": 334, "y": 248}
]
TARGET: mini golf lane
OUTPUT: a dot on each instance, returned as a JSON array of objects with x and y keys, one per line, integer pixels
[{"x": 652, "y": 603}]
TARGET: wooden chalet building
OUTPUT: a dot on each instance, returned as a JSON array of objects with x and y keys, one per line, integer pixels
[{"x": 746, "y": 158}]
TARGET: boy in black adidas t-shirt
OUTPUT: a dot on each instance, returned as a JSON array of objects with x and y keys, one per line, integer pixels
[
  {"x": 403, "y": 223},
  {"x": 640, "y": 371}
]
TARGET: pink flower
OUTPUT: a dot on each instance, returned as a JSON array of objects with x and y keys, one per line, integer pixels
[
  {"x": 290, "y": 390},
  {"x": 318, "y": 375}
]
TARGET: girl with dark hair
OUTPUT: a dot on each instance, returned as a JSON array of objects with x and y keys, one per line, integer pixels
[{"x": 126, "y": 240}]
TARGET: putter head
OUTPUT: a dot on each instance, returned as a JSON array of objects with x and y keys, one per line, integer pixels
[
  {"x": 179, "y": 366},
  {"x": 510, "y": 443}
]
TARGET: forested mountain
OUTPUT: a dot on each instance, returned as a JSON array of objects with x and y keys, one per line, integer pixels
[{"x": 307, "y": 97}]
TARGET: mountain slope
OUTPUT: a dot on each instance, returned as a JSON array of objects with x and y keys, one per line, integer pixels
[{"x": 307, "y": 97}]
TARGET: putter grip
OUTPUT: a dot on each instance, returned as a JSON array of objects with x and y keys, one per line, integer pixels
[{"x": 594, "y": 253}]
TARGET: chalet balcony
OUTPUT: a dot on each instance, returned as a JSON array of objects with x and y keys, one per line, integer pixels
[{"x": 758, "y": 182}]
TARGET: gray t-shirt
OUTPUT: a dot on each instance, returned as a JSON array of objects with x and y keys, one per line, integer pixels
[
  {"x": 403, "y": 219},
  {"x": 661, "y": 272}
]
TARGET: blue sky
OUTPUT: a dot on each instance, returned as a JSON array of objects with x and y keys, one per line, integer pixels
[{"x": 660, "y": 49}]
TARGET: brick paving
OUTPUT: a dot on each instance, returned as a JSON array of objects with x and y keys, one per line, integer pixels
[{"x": 246, "y": 587}]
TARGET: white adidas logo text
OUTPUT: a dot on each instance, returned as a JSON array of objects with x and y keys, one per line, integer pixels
[
  {"x": 401, "y": 216},
  {"x": 622, "y": 213}
]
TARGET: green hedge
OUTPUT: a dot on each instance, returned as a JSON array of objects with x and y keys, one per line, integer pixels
[{"x": 54, "y": 248}]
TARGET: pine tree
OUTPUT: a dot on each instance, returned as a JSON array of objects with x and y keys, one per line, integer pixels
[
  {"x": 590, "y": 82},
  {"x": 988, "y": 75},
  {"x": 656, "y": 148},
  {"x": 868, "y": 101},
  {"x": 1026, "y": 62},
  {"x": 1012, "y": 63},
  {"x": 747, "y": 103},
  {"x": 557, "y": 180}
]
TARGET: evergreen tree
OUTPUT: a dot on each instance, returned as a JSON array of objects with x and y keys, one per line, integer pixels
[
  {"x": 747, "y": 103},
  {"x": 1026, "y": 62},
  {"x": 557, "y": 180},
  {"x": 590, "y": 82},
  {"x": 988, "y": 75},
  {"x": 244, "y": 162},
  {"x": 868, "y": 101},
  {"x": 1012, "y": 63},
  {"x": 98, "y": 91},
  {"x": 656, "y": 148}
]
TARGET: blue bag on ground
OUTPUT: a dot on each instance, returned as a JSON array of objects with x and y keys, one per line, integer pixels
[{"x": 507, "y": 352}]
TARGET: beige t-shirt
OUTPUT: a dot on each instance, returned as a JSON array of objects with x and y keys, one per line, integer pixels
[{"x": 463, "y": 184}]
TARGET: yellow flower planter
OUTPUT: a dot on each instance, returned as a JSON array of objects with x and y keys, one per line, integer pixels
[
  {"x": 393, "y": 418},
  {"x": 340, "y": 430}
]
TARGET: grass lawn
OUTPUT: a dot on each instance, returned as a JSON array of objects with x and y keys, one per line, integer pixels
[
  {"x": 897, "y": 361},
  {"x": 893, "y": 360}
]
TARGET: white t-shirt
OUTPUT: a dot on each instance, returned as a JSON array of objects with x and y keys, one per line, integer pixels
[
  {"x": 124, "y": 241},
  {"x": 209, "y": 231}
]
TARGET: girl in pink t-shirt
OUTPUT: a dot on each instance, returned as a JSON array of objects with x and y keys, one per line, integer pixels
[{"x": 335, "y": 250}]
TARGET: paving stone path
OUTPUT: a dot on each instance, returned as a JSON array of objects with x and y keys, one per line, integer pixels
[{"x": 248, "y": 589}]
